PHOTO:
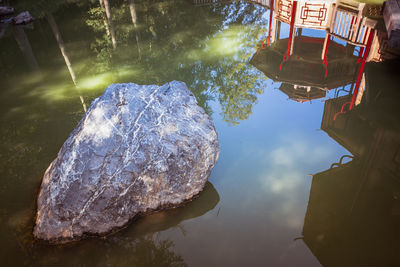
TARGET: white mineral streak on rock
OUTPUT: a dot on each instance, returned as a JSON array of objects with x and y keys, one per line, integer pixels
[{"x": 138, "y": 148}]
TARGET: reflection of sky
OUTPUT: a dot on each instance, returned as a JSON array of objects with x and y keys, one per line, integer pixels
[
  {"x": 262, "y": 175},
  {"x": 262, "y": 178}
]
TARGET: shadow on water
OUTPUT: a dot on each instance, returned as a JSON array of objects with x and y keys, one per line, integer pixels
[
  {"x": 163, "y": 220},
  {"x": 140, "y": 243},
  {"x": 353, "y": 213}
]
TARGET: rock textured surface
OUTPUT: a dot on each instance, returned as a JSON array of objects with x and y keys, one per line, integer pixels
[
  {"x": 23, "y": 18},
  {"x": 137, "y": 149}
]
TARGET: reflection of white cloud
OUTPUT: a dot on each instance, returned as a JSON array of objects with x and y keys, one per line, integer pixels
[
  {"x": 281, "y": 156},
  {"x": 285, "y": 185},
  {"x": 285, "y": 176},
  {"x": 297, "y": 153},
  {"x": 281, "y": 182},
  {"x": 286, "y": 164}
]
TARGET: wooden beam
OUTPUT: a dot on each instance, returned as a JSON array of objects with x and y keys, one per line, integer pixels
[
  {"x": 271, "y": 9},
  {"x": 292, "y": 29},
  {"x": 361, "y": 70}
]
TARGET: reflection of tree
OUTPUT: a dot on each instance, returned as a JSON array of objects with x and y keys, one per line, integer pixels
[
  {"x": 132, "y": 9},
  {"x": 226, "y": 74},
  {"x": 147, "y": 251},
  {"x": 105, "y": 22},
  {"x": 150, "y": 250},
  {"x": 25, "y": 47},
  {"x": 61, "y": 45},
  {"x": 64, "y": 53},
  {"x": 101, "y": 21},
  {"x": 209, "y": 53},
  {"x": 238, "y": 93},
  {"x": 235, "y": 83},
  {"x": 101, "y": 46},
  {"x": 110, "y": 22}
]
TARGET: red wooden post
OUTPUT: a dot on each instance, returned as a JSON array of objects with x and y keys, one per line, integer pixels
[
  {"x": 326, "y": 48},
  {"x": 325, "y": 61},
  {"x": 293, "y": 17},
  {"x": 360, "y": 72},
  {"x": 271, "y": 9}
]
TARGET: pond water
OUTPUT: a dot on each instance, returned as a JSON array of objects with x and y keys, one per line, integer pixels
[{"x": 272, "y": 199}]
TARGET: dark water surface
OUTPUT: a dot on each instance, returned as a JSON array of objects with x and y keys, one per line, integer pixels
[{"x": 273, "y": 199}]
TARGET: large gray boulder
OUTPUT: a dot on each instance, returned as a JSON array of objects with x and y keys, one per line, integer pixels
[{"x": 137, "y": 149}]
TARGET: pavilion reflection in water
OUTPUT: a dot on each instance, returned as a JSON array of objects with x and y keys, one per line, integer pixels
[
  {"x": 354, "y": 35},
  {"x": 353, "y": 212},
  {"x": 304, "y": 75}
]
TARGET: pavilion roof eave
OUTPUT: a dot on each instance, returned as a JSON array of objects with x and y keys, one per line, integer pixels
[
  {"x": 294, "y": 71},
  {"x": 320, "y": 85}
]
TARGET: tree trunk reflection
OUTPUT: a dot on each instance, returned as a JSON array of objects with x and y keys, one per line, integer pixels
[
  {"x": 110, "y": 22},
  {"x": 64, "y": 53},
  {"x": 105, "y": 19},
  {"x": 132, "y": 9},
  {"x": 25, "y": 47}
]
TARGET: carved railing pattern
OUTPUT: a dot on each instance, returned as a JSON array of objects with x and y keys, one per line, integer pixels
[
  {"x": 283, "y": 10},
  {"x": 313, "y": 15}
]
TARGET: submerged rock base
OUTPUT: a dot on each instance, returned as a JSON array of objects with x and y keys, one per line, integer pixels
[{"x": 138, "y": 148}]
